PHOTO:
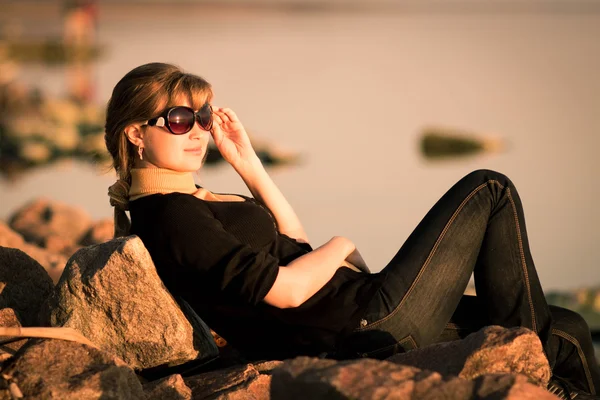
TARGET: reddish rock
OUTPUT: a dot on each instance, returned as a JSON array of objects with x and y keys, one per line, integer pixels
[
  {"x": 25, "y": 285},
  {"x": 59, "y": 244},
  {"x": 100, "y": 232},
  {"x": 267, "y": 367},
  {"x": 170, "y": 388},
  {"x": 112, "y": 294},
  {"x": 53, "y": 263},
  {"x": 9, "y": 319},
  {"x": 258, "y": 388},
  {"x": 490, "y": 350},
  {"x": 60, "y": 369},
  {"x": 221, "y": 381},
  {"x": 41, "y": 218},
  {"x": 312, "y": 378}
]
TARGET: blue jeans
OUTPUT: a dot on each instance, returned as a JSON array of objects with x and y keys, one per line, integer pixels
[{"x": 478, "y": 228}]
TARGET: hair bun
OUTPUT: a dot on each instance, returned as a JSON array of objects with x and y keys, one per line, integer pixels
[{"x": 119, "y": 195}]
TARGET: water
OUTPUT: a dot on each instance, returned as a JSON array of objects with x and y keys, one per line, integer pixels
[{"x": 351, "y": 91}]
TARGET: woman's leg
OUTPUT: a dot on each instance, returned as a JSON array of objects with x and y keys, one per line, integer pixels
[
  {"x": 477, "y": 226},
  {"x": 570, "y": 343}
]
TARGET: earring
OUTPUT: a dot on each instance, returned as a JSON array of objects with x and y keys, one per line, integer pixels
[{"x": 140, "y": 150}]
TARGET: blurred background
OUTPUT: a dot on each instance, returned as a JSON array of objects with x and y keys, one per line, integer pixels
[{"x": 366, "y": 111}]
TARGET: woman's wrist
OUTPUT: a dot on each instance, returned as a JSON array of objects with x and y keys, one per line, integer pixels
[{"x": 248, "y": 166}]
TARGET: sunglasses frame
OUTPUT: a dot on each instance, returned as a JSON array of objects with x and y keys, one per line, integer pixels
[{"x": 163, "y": 119}]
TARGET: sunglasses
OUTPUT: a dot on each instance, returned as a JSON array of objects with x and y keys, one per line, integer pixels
[{"x": 180, "y": 120}]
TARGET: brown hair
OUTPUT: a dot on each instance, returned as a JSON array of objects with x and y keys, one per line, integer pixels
[{"x": 140, "y": 95}]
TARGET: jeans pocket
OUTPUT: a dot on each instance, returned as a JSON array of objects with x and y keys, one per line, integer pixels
[{"x": 404, "y": 345}]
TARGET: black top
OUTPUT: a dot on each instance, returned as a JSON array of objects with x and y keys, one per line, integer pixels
[{"x": 223, "y": 258}]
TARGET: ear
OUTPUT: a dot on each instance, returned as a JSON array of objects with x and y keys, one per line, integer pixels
[{"x": 135, "y": 134}]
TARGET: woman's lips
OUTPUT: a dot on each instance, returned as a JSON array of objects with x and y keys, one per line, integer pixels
[{"x": 195, "y": 150}]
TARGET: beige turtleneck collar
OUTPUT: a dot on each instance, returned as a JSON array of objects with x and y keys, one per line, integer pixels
[{"x": 147, "y": 181}]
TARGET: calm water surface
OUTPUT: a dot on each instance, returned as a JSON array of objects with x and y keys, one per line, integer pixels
[{"x": 351, "y": 93}]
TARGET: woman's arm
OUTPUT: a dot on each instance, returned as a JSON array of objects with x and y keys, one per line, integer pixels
[
  {"x": 306, "y": 275},
  {"x": 264, "y": 189},
  {"x": 232, "y": 141}
]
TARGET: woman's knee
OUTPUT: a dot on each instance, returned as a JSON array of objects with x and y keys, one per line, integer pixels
[
  {"x": 487, "y": 175},
  {"x": 571, "y": 323}
]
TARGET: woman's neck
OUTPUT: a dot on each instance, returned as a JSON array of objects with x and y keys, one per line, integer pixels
[{"x": 147, "y": 181}]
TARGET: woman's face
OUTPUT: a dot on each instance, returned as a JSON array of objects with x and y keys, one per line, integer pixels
[{"x": 182, "y": 153}]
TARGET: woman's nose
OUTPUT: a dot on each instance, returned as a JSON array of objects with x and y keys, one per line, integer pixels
[{"x": 197, "y": 132}]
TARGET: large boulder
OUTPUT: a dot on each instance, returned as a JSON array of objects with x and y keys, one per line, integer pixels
[
  {"x": 43, "y": 220},
  {"x": 491, "y": 350},
  {"x": 58, "y": 369},
  {"x": 312, "y": 378},
  {"x": 112, "y": 294},
  {"x": 24, "y": 284},
  {"x": 53, "y": 263}
]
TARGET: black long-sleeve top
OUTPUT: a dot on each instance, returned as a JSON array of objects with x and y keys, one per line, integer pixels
[{"x": 223, "y": 258}]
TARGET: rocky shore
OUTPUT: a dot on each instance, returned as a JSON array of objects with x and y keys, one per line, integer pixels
[{"x": 85, "y": 316}]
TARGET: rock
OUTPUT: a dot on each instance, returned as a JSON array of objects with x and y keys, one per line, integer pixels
[
  {"x": 491, "y": 350},
  {"x": 41, "y": 218},
  {"x": 59, "y": 244},
  {"x": 257, "y": 389},
  {"x": 59, "y": 369},
  {"x": 243, "y": 382},
  {"x": 112, "y": 294},
  {"x": 54, "y": 264},
  {"x": 100, "y": 232},
  {"x": 9, "y": 319},
  {"x": 25, "y": 285},
  {"x": 170, "y": 388},
  {"x": 267, "y": 367},
  {"x": 312, "y": 378}
]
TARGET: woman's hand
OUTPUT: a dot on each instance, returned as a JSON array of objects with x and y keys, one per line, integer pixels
[{"x": 230, "y": 137}]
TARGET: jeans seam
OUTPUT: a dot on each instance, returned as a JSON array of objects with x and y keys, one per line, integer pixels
[
  {"x": 523, "y": 262},
  {"x": 586, "y": 368},
  {"x": 412, "y": 340},
  {"x": 428, "y": 260}
]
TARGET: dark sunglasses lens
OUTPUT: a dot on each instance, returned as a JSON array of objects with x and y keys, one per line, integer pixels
[
  {"x": 181, "y": 120},
  {"x": 205, "y": 117}
]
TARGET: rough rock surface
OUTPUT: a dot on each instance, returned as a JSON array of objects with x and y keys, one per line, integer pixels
[
  {"x": 58, "y": 369},
  {"x": 243, "y": 382},
  {"x": 52, "y": 263},
  {"x": 112, "y": 294},
  {"x": 312, "y": 378},
  {"x": 267, "y": 367},
  {"x": 491, "y": 350},
  {"x": 42, "y": 218},
  {"x": 24, "y": 285},
  {"x": 9, "y": 319},
  {"x": 170, "y": 388}
]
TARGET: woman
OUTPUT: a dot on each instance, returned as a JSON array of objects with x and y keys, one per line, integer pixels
[{"x": 246, "y": 265}]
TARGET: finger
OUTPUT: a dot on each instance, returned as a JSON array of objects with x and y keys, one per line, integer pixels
[
  {"x": 217, "y": 118},
  {"x": 230, "y": 114},
  {"x": 217, "y": 121},
  {"x": 224, "y": 116},
  {"x": 217, "y": 134}
]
